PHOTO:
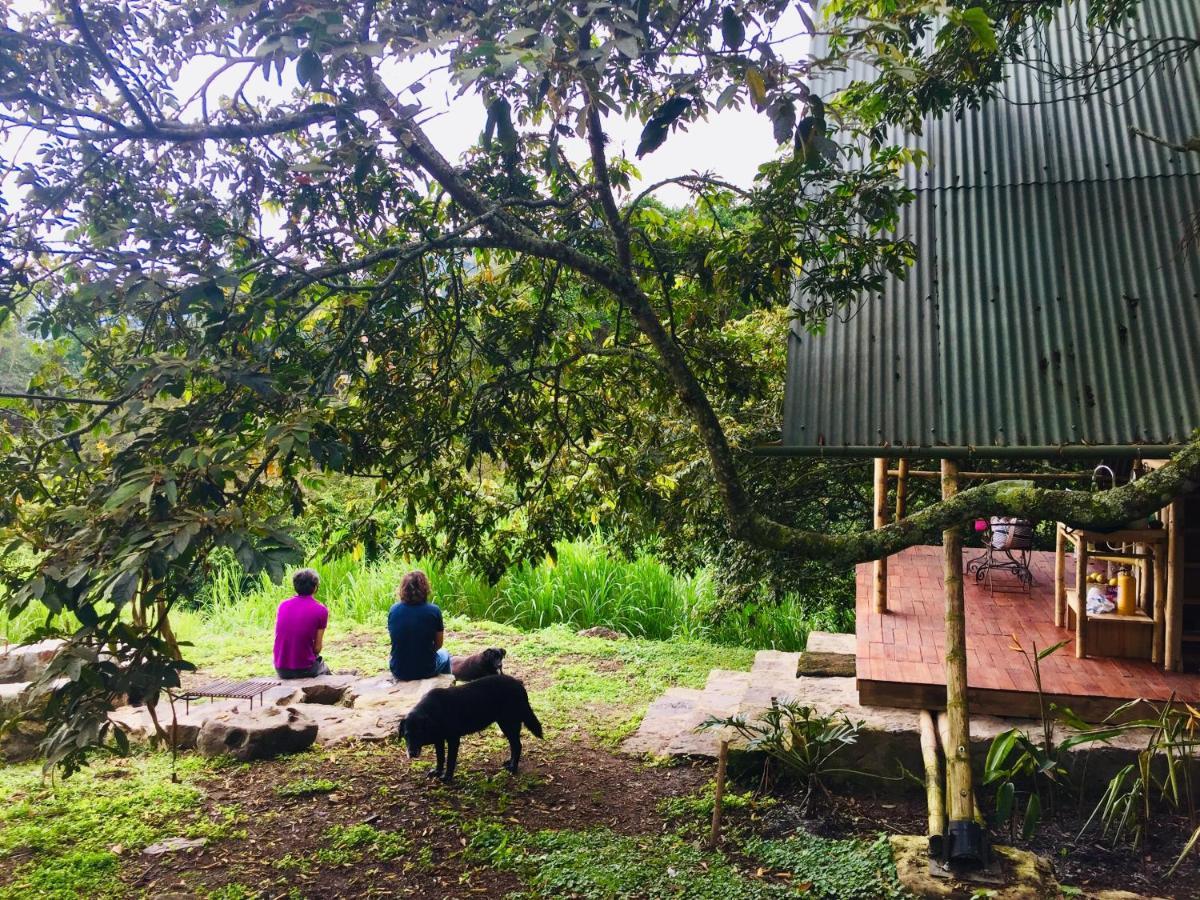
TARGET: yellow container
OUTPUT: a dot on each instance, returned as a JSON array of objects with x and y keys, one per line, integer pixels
[{"x": 1126, "y": 594}]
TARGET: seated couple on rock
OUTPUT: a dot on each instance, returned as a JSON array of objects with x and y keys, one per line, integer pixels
[{"x": 414, "y": 626}]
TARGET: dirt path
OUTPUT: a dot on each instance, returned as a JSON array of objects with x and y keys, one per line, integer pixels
[{"x": 288, "y": 845}]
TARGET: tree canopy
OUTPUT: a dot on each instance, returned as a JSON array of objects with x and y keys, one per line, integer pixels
[{"x": 264, "y": 285}]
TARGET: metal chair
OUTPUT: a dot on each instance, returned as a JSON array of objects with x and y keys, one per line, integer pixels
[{"x": 1009, "y": 549}]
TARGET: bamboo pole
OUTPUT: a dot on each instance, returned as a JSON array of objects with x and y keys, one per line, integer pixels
[
  {"x": 1081, "y": 589},
  {"x": 934, "y": 798},
  {"x": 880, "y": 566},
  {"x": 959, "y": 800},
  {"x": 1060, "y": 577},
  {"x": 718, "y": 796},
  {"x": 1174, "y": 610},
  {"x": 901, "y": 489},
  {"x": 1160, "y": 603},
  {"x": 943, "y": 730},
  {"x": 997, "y": 476}
]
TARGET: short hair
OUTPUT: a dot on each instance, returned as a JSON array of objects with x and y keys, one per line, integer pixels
[
  {"x": 414, "y": 588},
  {"x": 305, "y": 582}
]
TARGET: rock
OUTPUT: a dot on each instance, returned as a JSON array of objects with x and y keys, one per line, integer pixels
[
  {"x": 21, "y": 742},
  {"x": 263, "y": 733},
  {"x": 135, "y": 721},
  {"x": 831, "y": 642},
  {"x": 324, "y": 689},
  {"x": 338, "y": 725},
  {"x": 827, "y": 654},
  {"x": 1023, "y": 875},
  {"x": 174, "y": 845},
  {"x": 825, "y": 665},
  {"x": 25, "y": 662},
  {"x": 599, "y": 631},
  {"x": 383, "y": 691},
  {"x": 12, "y": 698}
]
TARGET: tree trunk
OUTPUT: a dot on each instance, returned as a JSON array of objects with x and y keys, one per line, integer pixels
[{"x": 960, "y": 802}]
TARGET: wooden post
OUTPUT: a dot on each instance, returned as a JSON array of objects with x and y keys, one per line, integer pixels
[
  {"x": 1081, "y": 589},
  {"x": 880, "y": 566},
  {"x": 1174, "y": 611},
  {"x": 901, "y": 489},
  {"x": 1060, "y": 577},
  {"x": 1159, "y": 601},
  {"x": 959, "y": 799},
  {"x": 933, "y": 783},
  {"x": 718, "y": 796}
]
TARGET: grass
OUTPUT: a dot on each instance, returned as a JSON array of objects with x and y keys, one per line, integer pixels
[
  {"x": 67, "y": 839},
  {"x": 588, "y": 585},
  {"x": 598, "y": 864}
]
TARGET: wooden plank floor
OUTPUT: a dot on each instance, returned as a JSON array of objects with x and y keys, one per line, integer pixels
[{"x": 900, "y": 653}]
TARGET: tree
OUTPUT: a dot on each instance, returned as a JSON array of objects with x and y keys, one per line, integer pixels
[{"x": 264, "y": 286}]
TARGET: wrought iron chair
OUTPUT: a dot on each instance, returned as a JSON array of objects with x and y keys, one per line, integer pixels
[{"x": 1009, "y": 549}]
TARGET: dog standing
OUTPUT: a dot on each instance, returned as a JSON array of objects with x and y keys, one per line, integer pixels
[
  {"x": 445, "y": 715},
  {"x": 478, "y": 665}
]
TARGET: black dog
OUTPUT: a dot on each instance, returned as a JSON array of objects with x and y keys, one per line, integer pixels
[
  {"x": 478, "y": 665},
  {"x": 444, "y": 715}
]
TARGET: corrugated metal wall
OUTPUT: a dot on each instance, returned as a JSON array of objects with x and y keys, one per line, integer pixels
[{"x": 1049, "y": 304}]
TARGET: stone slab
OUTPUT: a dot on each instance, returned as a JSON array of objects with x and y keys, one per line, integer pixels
[
  {"x": 385, "y": 692},
  {"x": 831, "y": 642},
  {"x": 136, "y": 722},
  {"x": 666, "y": 717},
  {"x": 825, "y": 665},
  {"x": 774, "y": 661},
  {"x": 1024, "y": 875},
  {"x": 338, "y": 725},
  {"x": 26, "y": 662}
]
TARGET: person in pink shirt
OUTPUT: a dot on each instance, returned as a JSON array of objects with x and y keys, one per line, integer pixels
[{"x": 300, "y": 626}]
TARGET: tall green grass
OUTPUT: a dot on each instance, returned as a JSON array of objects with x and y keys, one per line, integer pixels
[{"x": 588, "y": 585}]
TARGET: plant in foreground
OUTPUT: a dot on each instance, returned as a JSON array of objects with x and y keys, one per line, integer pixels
[{"x": 804, "y": 742}]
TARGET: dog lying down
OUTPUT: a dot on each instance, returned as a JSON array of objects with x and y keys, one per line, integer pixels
[
  {"x": 478, "y": 665},
  {"x": 444, "y": 715}
]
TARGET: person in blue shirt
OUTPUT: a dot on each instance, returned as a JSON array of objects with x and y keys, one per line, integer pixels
[{"x": 416, "y": 629}]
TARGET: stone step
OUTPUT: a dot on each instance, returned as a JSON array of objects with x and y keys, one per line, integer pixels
[
  {"x": 828, "y": 654},
  {"x": 831, "y": 642},
  {"x": 772, "y": 661},
  {"x": 670, "y": 714}
]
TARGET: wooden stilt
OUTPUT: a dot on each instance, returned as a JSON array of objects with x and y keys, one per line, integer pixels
[
  {"x": 1173, "y": 615},
  {"x": 880, "y": 519},
  {"x": 901, "y": 489},
  {"x": 1159, "y": 601},
  {"x": 1081, "y": 589},
  {"x": 718, "y": 796},
  {"x": 933, "y": 782},
  {"x": 943, "y": 729},
  {"x": 1060, "y": 584},
  {"x": 959, "y": 800}
]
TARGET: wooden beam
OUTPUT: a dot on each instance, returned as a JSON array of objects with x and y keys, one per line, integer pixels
[
  {"x": 901, "y": 489},
  {"x": 994, "y": 476},
  {"x": 1159, "y": 599},
  {"x": 1173, "y": 638},
  {"x": 960, "y": 804},
  {"x": 1081, "y": 589},
  {"x": 880, "y": 519},
  {"x": 933, "y": 782},
  {"x": 1060, "y": 575}
]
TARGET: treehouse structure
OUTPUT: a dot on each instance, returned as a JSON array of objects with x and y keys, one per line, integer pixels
[{"x": 1050, "y": 323}]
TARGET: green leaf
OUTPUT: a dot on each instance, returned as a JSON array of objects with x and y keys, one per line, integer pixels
[
  {"x": 976, "y": 19},
  {"x": 758, "y": 87},
  {"x": 1042, "y": 654},
  {"x": 310, "y": 70},
  {"x": 1033, "y": 815},
  {"x": 1004, "y": 803},
  {"x": 733, "y": 30},
  {"x": 993, "y": 767}
]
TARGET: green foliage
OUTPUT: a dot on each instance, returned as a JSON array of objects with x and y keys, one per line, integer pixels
[
  {"x": 307, "y": 787},
  {"x": 835, "y": 869},
  {"x": 600, "y": 864},
  {"x": 75, "y": 832},
  {"x": 804, "y": 742}
]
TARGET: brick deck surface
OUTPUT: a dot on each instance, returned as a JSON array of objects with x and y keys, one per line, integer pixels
[{"x": 905, "y": 645}]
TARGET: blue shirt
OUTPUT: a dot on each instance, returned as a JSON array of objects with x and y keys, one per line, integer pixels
[{"x": 413, "y": 629}]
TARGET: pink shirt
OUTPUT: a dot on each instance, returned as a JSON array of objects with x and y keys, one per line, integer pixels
[{"x": 296, "y": 625}]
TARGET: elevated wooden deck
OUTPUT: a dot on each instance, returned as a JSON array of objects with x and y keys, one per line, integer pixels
[{"x": 900, "y": 653}]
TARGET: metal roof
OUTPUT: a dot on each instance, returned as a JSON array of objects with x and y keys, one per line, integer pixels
[{"x": 1049, "y": 304}]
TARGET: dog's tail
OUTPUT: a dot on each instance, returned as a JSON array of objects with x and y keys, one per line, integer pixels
[{"x": 530, "y": 718}]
